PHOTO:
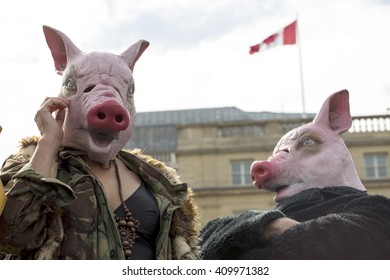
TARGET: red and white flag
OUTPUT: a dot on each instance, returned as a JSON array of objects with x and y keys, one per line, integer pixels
[{"x": 286, "y": 36}]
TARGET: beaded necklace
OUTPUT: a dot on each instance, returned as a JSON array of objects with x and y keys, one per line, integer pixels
[{"x": 128, "y": 225}]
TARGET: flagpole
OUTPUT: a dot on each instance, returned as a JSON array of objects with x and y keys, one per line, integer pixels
[{"x": 301, "y": 70}]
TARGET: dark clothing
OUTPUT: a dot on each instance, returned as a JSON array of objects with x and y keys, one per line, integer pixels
[
  {"x": 144, "y": 208},
  {"x": 336, "y": 223}
]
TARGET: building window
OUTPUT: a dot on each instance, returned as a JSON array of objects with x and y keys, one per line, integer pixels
[
  {"x": 241, "y": 172},
  {"x": 376, "y": 165}
]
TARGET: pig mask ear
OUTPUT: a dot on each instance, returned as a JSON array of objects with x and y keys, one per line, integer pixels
[
  {"x": 134, "y": 52},
  {"x": 335, "y": 112},
  {"x": 61, "y": 47}
]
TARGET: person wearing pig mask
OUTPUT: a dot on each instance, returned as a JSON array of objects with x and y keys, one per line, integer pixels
[
  {"x": 323, "y": 210},
  {"x": 75, "y": 192}
]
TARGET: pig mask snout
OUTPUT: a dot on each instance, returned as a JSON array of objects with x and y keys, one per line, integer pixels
[
  {"x": 109, "y": 115},
  {"x": 261, "y": 171}
]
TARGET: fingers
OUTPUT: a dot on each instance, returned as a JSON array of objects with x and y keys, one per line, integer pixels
[
  {"x": 60, "y": 116},
  {"x": 52, "y": 104},
  {"x": 47, "y": 123}
]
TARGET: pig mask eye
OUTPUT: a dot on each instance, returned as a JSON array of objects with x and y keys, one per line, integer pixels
[
  {"x": 70, "y": 85},
  {"x": 130, "y": 91},
  {"x": 308, "y": 141}
]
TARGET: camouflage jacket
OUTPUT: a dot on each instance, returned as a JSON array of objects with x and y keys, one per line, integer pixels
[{"x": 67, "y": 216}]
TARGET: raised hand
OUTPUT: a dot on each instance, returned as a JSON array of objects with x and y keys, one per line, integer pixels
[
  {"x": 51, "y": 131},
  {"x": 49, "y": 125}
]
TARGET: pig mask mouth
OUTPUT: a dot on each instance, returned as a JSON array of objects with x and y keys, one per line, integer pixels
[
  {"x": 284, "y": 191},
  {"x": 102, "y": 138},
  {"x": 278, "y": 189},
  {"x": 89, "y": 139}
]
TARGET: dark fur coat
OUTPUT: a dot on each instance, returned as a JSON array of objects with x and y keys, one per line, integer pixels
[{"x": 336, "y": 223}]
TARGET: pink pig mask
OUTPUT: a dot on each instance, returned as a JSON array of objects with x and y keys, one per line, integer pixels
[
  {"x": 311, "y": 156},
  {"x": 100, "y": 87}
]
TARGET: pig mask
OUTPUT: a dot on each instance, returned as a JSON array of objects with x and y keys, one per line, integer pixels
[
  {"x": 100, "y": 87},
  {"x": 311, "y": 156}
]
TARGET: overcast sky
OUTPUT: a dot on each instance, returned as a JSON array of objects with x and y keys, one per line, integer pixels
[{"x": 199, "y": 54}]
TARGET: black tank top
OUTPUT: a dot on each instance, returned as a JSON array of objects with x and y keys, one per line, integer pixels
[{"x": 144, "y": 208}]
